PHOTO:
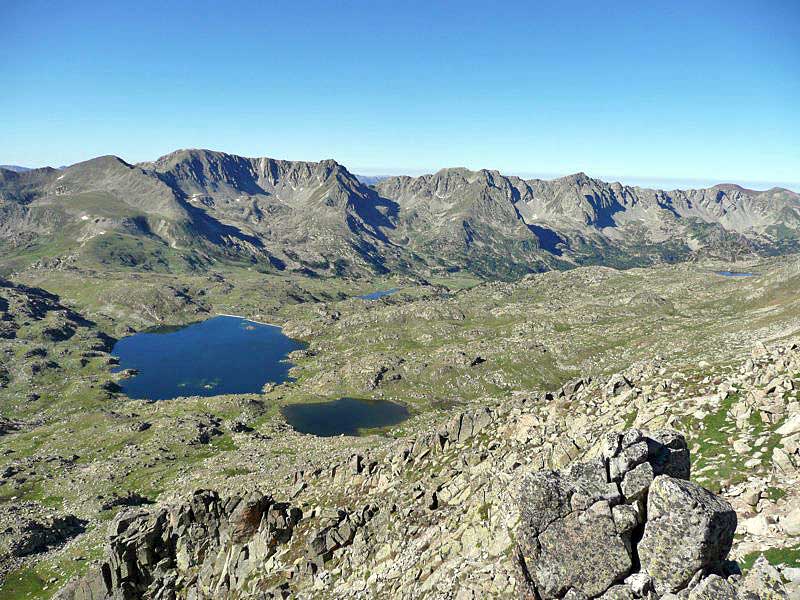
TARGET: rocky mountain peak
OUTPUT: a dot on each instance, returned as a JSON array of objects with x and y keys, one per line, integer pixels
[{"x": 456, "y": 218}]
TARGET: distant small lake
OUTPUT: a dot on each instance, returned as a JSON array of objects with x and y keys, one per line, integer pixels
[
  {"x": 379, "y": 294},
  {"x": 345, "y": 416},
  {"x": 223, "y": 355},
  {"x": 734, "y": 274}
]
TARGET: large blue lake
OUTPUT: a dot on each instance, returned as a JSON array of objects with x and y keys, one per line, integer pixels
[{"x": 223, "y": 355}]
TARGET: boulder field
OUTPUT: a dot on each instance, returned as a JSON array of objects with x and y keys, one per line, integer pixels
[{"x": 624, "y": 523}]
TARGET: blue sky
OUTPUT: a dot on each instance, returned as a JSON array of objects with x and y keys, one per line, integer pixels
[{"x": 640, "y": 91}]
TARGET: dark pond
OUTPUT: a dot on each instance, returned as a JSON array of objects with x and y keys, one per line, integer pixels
[
  {"x": 343, "y": 416},
  {"x": 379, "y": 294},
  {"x": 734, "y": 274},
  {"x": 223, "y": 355}
]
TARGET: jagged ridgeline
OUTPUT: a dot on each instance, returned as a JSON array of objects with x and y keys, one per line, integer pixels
[{"x": 193, "y": 208}]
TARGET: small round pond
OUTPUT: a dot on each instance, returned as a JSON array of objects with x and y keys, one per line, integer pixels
[
  {"x": 223, "y": 355},
  {"x": 345, "y": 416},
  {"x": 379, "y": 294},
  {"x": 734, "y": 274}
]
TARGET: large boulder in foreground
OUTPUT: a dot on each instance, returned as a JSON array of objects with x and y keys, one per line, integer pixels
[
  {"x": 623, "y": 523},
  {"x": 688, "y": 529},
  {"x": 579, "y": 526},
  {"x": 570, "y": 539}
]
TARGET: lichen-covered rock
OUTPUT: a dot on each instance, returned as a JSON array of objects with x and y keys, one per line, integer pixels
[
  {"x": 583, "y": 551},
  {"x": 583, "y": 530},
  {"x": 618, "y": 592},
  {"x": 579, "y": 526},
  {"x": 713, "y": 587},
  {"x": 688, "y": 529},
  {"x": 762, "y": 581}
]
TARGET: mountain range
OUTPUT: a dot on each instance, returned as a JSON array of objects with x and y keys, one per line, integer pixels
[{"x": 193, "y": 208}]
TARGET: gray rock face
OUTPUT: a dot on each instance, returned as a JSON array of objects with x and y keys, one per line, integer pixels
[
  {"x": 578, "y": 525},
  {"x": 584, "y": 530},
  {"x": 569, "y": 539},
  {"x": 688, "y": 529},
  {"x": 148, "y": 551},
  {"x": 713, "y": 587},
  {"x": 762, "y": 581}
]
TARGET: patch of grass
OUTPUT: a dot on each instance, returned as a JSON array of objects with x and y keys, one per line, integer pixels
[
  {"x": 24, "y": 583},
  {"x": 714, "y": 450},
  {"x": 234, "y": 471},
  {"x": 775, "y": 493},
  {"x": 34, "y": 581},
  {"x": 224, "y": 443},
  {"x": 775, "y": 556},
  {"x": 630, "y": 418}
]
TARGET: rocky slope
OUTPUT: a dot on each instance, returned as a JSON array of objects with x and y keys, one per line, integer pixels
[
  {"x": 314, "y": 216},
  {"x": 109, "y": 213},
  {"x": 551, "y": 496},
  {"x": 433, "y": 504},
  {"x": 191, "y": 208}
]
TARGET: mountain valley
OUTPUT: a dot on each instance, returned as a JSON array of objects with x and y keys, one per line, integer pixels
[{"x": 537, "y": 335}]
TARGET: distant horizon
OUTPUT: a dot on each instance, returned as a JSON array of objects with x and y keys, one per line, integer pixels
[
  {"x": 644, "y": 181},
  {"x": 674, "y": 93}
]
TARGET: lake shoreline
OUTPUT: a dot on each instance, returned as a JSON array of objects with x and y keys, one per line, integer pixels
[
  {"x": 248, "y": 319},
  {"x": 221, "y": 355}
]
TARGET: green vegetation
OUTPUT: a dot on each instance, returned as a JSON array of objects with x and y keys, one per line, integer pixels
[
  {"x": 775, "y": 556},
  {"x": 431, "y": 347}
]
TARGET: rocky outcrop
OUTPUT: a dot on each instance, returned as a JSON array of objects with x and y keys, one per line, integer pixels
[
  {"x": 625, "y": 522},
  {"x": 688, "y": 530},
  {"x": 208, "y": 543},
  {"x": 622, "y": 524},
  {"x": 33, "y": 536}
]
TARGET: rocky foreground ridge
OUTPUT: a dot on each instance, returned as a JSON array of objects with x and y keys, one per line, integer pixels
[
  {"x": 625, "y": 524},
  {"x": 560, "y": 495}
]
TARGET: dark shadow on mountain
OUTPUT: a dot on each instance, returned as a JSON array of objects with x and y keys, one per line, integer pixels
[
  {"x": 605, "y": 213},
  {"x": 43, "y": 302},
  {"x": 234, "y": 169},
  {"x": 666, "y": 204},
  {"x": 370, "y": 254},
  {"x": 374, "y": 211},
  {"x": 548, "y": 239},
  {"x": 215, "y": 231}
]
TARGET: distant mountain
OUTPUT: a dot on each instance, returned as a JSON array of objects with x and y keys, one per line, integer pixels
[
  {"x": 371, "y": 179},
  {"x": 192, "y": 208},
  {"x": 580, "y": 220},
  {"x": 15, "y": 168}
]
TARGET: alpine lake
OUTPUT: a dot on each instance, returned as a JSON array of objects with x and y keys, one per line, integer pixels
[{"x": 232, "y": 355}]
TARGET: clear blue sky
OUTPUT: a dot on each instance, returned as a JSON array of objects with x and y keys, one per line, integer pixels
[{"x": 650, "y": 90}]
